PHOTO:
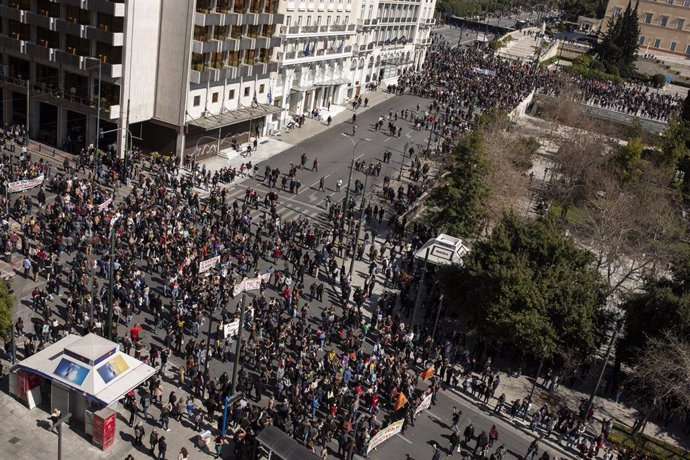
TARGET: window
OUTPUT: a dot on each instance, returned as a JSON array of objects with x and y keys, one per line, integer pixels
[
  {"x": 687, "y": 50},
  {"x": 231, "y": 94},
  {"x": 641, "y": 40},
  {"x": 197, "y": 101},
  {"x": 261, "y": 88},
  {"x": 670, "y": 2},
  {"x": 246, "y": 91},
  {"x": 686, "y": 3},
  {"x": 680, "y": 23},
  {"x": 657, "y": 42},
  {"x": 288, "y": 18},
  {"x": 648, "y": 18},
  {"x": 663, "y": 21},
  {"x": 214, "y": 97},
  {"x": 672, "y": 47},
  {"x": 617, "y": 11}
]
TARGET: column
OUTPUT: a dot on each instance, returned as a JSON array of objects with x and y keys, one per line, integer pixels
[
  {"x": 7, "y": 105},
  {"x": 180, "y": 145},
  {"x": 61, "y": 126}
]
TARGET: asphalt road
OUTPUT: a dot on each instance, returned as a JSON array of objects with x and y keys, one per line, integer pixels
[{"x": 335, "y": 152}]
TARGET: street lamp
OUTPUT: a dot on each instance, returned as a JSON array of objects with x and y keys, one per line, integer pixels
[
  {"x": 359, "y": 227},
  {"x": 402, "y": 162},
  {"x": 352, "y": 167},
  {"x": 111, "y": 276},
  {"x": 98, "y": 118}
]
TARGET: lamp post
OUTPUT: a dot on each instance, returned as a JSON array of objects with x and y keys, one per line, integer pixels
[
  {"x": 541, "y": 364},
  {"x": 590, "y": 401},
  {"x": 111, "y": 277},
  {"x": 359, "y": 227},
  {"x": 98, "y": 119},
  {"x": 420, "y": 286},
  {"x": 402, "y": 162},
  {"x": 238, "y": 347},
  {"x": 352, "y": 167}
]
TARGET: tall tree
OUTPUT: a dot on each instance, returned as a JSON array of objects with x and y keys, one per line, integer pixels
[
  {"x": 456, "y": 205},
  {"x": 620, "y": 43},
  {"x": 529, "y": 285}
]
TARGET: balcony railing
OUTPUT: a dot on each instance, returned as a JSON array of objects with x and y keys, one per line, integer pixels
[{"x": 318, "y": 29}]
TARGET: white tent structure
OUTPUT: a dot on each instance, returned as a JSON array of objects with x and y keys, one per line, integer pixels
[{"x": 91, "y": 366}]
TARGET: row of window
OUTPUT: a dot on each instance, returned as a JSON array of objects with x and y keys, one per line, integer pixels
[
  {"x": 288, "y": 20},
  {"x": 231, "y": 95},
  {"x": 658, "y": 43},
  {"x": 663, "y": 21}
]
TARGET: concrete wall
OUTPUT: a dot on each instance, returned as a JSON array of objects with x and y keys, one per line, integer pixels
[
  {"x": 142, "y": 32},
  {"x": 174, "y": 57}
]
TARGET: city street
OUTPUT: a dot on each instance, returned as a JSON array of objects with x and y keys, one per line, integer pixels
[{"x": 334, "y": 152}]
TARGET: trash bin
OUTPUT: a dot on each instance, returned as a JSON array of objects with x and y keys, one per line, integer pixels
[
  {"x": 8, "y": 257},
  {"x": 204, "y": 439}
]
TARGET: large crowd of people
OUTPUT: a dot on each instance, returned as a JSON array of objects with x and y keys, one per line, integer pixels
[{"x": 331, "y": 379}]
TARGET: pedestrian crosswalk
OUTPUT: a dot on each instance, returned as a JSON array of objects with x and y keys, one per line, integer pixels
[{"x": 310, "y": 203}]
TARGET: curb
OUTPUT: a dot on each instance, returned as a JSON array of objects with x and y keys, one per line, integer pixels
[{"x": 519, "y": 426}]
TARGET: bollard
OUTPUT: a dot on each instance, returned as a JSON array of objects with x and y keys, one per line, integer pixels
[
  {"x": 53, "y": 153},
  {"x": 39, "y": 147}
]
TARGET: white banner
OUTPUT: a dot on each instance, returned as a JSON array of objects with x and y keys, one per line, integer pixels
[
  {"x": 102, "y": 207},
  {"x": 230, "y": 329},
  {"x": 425, "y": 404},
  {"x": 250, "y": 284},
  {"x": 485, "y": 72},
  {"x": 21, "y": 185},
  {"x": 385, "y": 434},
  {"x": 206, "y": 265}
]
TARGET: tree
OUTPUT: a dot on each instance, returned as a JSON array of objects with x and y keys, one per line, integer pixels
[
  {"x": 626, "y": 159},
  {"x": 661, "y": 373},
  {"x": 6, "y": 310},
  {"x": 456, "y": 205},
  {"x": 530, "y": 286},
  {"x": 618, "y": 47},
  {"x": 661, "y": 305}
]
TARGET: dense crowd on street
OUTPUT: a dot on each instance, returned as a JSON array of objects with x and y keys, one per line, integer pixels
[
  {"x": 475, "y": 79},
  {"x": 330, "y": 380}
]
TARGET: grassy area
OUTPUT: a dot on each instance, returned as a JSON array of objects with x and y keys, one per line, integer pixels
[
  {"x": 646, "y": 445},
  {"x": 575, "y": 215}
]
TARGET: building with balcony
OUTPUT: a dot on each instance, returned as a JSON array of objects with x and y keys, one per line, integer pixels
[
  {"x": 317, "y": 37},
  {"x": 664, "y": 25},
  {"x": 176, "y": 74},
  {"x": 393, "y": 37}
]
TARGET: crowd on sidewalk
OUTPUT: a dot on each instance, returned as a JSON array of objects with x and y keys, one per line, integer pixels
[{"x": 338, "y": 376}]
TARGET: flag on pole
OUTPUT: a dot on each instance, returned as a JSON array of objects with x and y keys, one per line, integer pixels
[
  {"x": 400, "y": 401},
  {"x": 427, "y": 373}
]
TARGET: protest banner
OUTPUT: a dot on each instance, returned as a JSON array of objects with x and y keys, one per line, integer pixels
[
  {"x": 206, "y": 265},
  {"x": 230, "y": 329},
  {"x": 26, "y": 184},
  {"x": 250, "y": 284},
  {"x": 425, "y": 404},
  {"x": 385, "y": 434},
  {"x": 102, "y": 207}
]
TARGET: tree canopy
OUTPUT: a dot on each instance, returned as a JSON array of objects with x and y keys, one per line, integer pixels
[
  {"x": 530, "y": 286},
  {"x": 663, "y": 304},
  {"x": 455, "y": 206},
  {"x": 618, "y": 47}
]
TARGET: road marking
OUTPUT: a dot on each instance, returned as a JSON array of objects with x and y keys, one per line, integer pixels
[
  {"x": 313, "y": 197},
  {"x": 315, "y": 184},
  {"x": 388, "y": 138},
  {"x": 404, "y": 438},
  {"x": 408, "y": 135}
]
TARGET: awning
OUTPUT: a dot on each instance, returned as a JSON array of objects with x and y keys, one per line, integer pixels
[
  {"x": 232, "y": 117},
  {"x": 336, "y": 82},
  {"x": 278, "y": 442},
  {"x": 302, "y": 89}
]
